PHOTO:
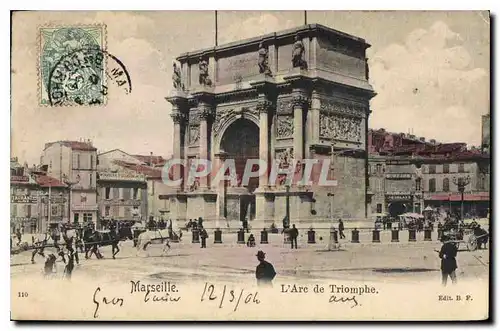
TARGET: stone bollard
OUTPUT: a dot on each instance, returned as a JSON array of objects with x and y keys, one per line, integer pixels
[
  {"x": 217, "y": 236},
  {"x": 286, "y": 237},
  {"x": 412, "y": 235},
  {"x": 263, "y": 237},
  {"x": 196, "y": 236},
  {"x": 241, "y": 236},
  {"x": 175, "y": 237},
  {"x": 355, "y": 236},
  {"x": 376, "y": 236},
  {"x": 335, "y": 235},
  {"x": 395, "y": 236},
  {"x": 428, "y": 234},
  {"x": 311, "y": 236}
]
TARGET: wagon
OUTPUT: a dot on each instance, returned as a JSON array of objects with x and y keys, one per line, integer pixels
[{"x": 466, "y": 237}]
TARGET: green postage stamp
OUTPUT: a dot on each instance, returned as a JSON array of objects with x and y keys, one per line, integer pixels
[{"x": 71, "y": 69}]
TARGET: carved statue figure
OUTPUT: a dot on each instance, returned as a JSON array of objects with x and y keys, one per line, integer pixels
[
  {"x": 297, "y": 54},
  {"x": 284, "y": 158},
  {"x": 203, "y": 78},
  {"x": 263, "y": 60},
  {"x": 176, "y": 78}
]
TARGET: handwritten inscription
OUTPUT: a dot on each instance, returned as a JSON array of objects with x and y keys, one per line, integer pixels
[
  {"x": 163, "y": 292},
  {"x": 99, "y": 299},
  {"x": 229, "y": 296}
]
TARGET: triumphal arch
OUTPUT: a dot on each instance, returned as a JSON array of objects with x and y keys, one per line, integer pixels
[{"x": 297, "y": 94}]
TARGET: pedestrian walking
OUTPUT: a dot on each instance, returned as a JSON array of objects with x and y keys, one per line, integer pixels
[
  {"x": 341, "y": 229},
  {"x": 293, "y": 233},
  {"x": 264, "y": 272},
  {"x": 203, "y": 236},
  {"x": 448, "y": 254}
]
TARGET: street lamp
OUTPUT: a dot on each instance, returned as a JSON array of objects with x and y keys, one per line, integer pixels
[
  {"x": 287, "y": 197},
  {"x": 70, "y": 184},
  {"x": 461, "y": 183}
]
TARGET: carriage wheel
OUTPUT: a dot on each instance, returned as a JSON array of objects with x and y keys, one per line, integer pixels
[{"x": 472, "y": 243}]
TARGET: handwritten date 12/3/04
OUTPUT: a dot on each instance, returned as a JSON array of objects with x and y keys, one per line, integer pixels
[{"x": 231, "y": 296}]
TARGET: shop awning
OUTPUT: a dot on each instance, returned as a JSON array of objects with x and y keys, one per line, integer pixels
[{"x": 480, "y": 196}]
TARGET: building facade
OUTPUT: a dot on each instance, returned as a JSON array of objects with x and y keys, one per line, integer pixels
[
  {"x": 296, "y": 94},
  {"x": 122, "y": 196},
  {"x": 24, "y": 199},
  {"x": 38, "y": 201},
  {"x": 147, "y": 172},
  {"x": 75, "y": 164},
  {"x": 412, "y": 173}
]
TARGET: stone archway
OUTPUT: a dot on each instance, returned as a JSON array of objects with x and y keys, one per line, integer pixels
[{"x": 240, "y": 142}]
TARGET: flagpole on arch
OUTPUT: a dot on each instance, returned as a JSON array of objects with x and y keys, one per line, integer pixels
[{"x": 216, "y": 30}]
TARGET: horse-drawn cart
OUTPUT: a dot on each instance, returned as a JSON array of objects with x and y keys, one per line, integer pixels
[{"x": 473, "y": 237}]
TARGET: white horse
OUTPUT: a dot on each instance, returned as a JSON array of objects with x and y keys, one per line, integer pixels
[{"x": 152, "y": 237}]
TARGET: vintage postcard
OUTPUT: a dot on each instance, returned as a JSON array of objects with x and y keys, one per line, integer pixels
[{"x": 250, "y": 165}]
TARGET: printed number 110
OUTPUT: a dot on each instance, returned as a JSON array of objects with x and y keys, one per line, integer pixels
[{"x": 22, "y": 294}]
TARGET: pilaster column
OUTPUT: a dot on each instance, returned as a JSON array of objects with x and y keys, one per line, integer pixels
[
  {"x": 204, "y": 117},
  {"x": 178, "y": 118},
  {"x": 179, "y": 109},
  {"x": 299, "y": 104},
  {"x": 264, "y": 106}
]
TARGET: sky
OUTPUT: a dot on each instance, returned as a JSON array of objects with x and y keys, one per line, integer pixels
[{"x": 430, "y": 71}]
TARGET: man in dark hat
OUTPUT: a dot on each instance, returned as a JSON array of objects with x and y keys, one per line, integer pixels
[
  {"x": 448, "y": 254},
  {"x": 341, "y": 229},
  {"x": 293, "y": 233},
  {"x": 264, "y": 272},
  {"x": 203, "y": 236}
]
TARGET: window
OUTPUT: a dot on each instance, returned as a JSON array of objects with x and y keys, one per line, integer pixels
[
  {"x": 461, "y": 167},
  {"x": 136, "y": 193},
  {"x": 379, "y": 208},
  {"x": 55, "y": 211},
  {"x": 13, "y": 210},
  {"x": 379, "y": 169},
  {"x": 107, "y": 191},
  {"x": 106, "y": 210},
  {"x": 126, "y": 193},
  {"x": 418, "y": 184},
  {"x": 28, "y": 210},
  {"x": 432, "y": 169},
  {"x": 76, "y": 217},
  {"x": 481, "y": 182},
  {"x": 446, "y": 185},
  {"x": 91, "y": 161},
  {"x": 90, "y": 180},
  {"x": 116, "y": 192},
  {"x": 87, "y": 217},
  {"x": 432, "y": 185},
  {"x": 78, "y": 161},
  {"x": 446, "y": 168}
]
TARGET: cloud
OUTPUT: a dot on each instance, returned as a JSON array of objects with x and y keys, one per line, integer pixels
[
  {"x": 256, "y": 26},
  {"x": 428, "y": 83}
]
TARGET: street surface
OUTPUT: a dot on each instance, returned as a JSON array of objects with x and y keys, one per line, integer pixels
[{"x": 387, "y": 262}]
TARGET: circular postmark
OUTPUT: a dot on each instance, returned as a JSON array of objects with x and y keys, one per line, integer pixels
[{"x": 83, "y": 77}]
